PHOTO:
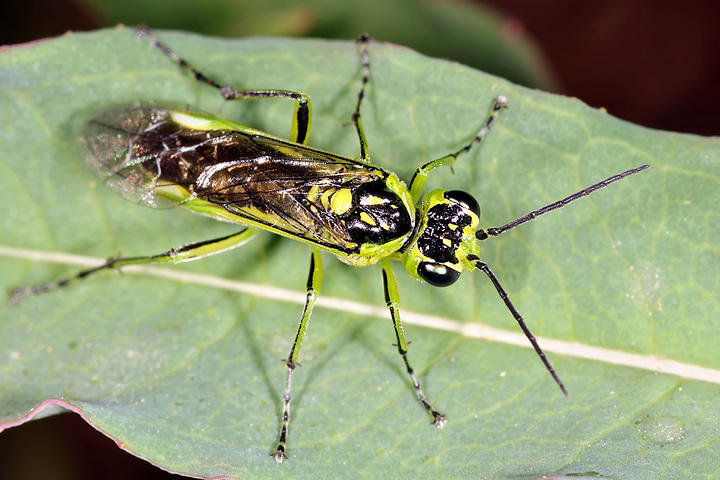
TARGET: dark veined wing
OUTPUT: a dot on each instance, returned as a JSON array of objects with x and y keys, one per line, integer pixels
[{"x": 264, "y": 180}]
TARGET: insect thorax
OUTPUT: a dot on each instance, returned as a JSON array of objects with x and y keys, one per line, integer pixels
[{"x": 377, "y": 215}]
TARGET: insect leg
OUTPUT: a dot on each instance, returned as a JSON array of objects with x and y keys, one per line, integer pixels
[
  {"x": 417, "y": 184},
  {"x": 362, "y": 41},
  {"x": 184, "y": 253},
  {"x": 314, "y": 282},
  {"x": 392, "y": 300},
  {"x": 302, "y": 117}
]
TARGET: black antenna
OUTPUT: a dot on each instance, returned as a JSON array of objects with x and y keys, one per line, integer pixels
[
  {"x": 503, "y": 294},
  {"x": 490, "y": 232}
]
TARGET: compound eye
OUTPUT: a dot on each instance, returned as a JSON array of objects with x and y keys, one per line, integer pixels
[
  {"x": 437, "y": 274},
  {"x": 464, "y": 199}
]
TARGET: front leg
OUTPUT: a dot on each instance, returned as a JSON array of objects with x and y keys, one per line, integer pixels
[{"x": 417, "y": 184}]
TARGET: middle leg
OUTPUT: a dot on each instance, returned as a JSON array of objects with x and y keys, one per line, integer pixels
[{"x": 392, "y": 300}]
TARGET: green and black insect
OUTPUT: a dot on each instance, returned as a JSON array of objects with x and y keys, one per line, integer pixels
[{"x": 351, "y": 208}]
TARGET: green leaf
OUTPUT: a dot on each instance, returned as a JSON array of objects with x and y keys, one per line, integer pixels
[{"x": 187, "y": 374}]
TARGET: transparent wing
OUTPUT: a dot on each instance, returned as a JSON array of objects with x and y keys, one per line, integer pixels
[{"x": 119, "y": 149}]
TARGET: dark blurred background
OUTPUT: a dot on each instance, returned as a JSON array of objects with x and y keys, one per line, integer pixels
[{"x": 651, "y": 62}]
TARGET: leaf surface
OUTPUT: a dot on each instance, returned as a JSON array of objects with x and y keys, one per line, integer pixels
[{"x": 188, "y": 374}]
